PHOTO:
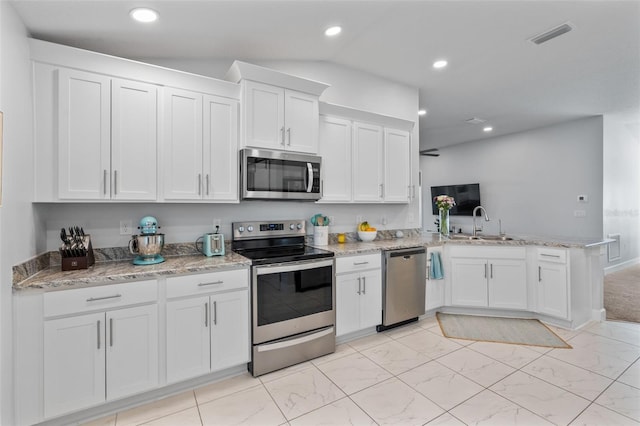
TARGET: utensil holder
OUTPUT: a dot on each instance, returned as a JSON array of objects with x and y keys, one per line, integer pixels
[
  {"x": 72, "y": 263},
  {"x": 321, "y": 235}
]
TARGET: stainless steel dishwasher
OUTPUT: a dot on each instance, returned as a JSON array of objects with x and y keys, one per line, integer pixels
[{"x": 403, "y": 286}]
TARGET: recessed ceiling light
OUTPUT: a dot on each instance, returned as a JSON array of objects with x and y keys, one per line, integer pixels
[
  {"x": 488, "y": 129},
  {"x": 422, "y": 112},
  {"x": 441, "y": 63},
  {"x": 333, "y": 31},
  {"x": 142, "y": 14}
]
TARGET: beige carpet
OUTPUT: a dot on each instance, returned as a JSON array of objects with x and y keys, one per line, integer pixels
[
  {"x": 622, "y": 295},
  {"x": 516, "y": 331}
]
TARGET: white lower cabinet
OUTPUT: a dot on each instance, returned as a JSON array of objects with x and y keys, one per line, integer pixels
[
  {"x": 96, "y": 357},
  {"x": 552, "y": 283},
  {"x": 358, "y": 293},
  {"x": 207, "y": 332},
  {"x": 492, "y": 277}
]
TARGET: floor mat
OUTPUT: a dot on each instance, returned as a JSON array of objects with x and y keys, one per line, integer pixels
[{"x": 502, "y": 330}]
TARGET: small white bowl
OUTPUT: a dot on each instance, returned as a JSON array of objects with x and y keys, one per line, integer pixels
[{"x": 367, "y": 235}]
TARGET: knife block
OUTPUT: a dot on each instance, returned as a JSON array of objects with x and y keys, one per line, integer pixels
[{"x": 79, "y": 262}]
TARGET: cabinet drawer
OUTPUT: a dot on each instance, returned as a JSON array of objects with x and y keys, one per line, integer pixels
[
  {"x": 64, "y": 302},
  {"x": 358, "y": 263},
  {"x": 188, "y": 285},
  {"x": 552, "y": 255}
]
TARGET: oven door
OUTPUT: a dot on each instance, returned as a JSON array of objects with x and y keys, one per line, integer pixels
[
  {"x": 291, "y": 298},
  {"x": 279, "y": 175}
]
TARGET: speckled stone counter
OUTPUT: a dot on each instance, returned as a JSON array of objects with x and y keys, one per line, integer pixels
[{"x": 53, "y": 278}]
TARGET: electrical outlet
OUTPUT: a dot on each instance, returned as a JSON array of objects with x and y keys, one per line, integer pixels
[
  {"x": 583, "y": 199},
  {"x": 580, "y": 213},
  {"x": 383, "y": 220},
  {"x": 216, "y": 222},
  {"x": 126, "y": 227},
  {"x": 359, "y": 219},
  {"x": 409, "y": 217}
]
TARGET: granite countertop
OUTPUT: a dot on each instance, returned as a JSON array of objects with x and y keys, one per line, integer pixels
[
  {"x": 124, "y": 270},
  {"x": 52, "y": 278}
]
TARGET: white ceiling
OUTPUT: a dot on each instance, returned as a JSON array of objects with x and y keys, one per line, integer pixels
[{"x": 494, "y": 72}]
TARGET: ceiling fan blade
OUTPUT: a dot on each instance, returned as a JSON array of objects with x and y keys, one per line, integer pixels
[{"x": 430, "y": 152}]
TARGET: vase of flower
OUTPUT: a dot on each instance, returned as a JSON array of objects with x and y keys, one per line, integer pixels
[{"x": 444, "y": 204}]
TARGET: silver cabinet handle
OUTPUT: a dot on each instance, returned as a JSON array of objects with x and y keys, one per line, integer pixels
[
  {"x": 211, "y": 283},
  {"x": 115, "y": 182},
  {"x": 110, "y": 331},
  {"x": 380, "y": 191},
  {"x": 360, "y": 263},
  {"x": 359, "y": 285},
  {"x": 215, "y": 313},
  {"x": 95, "y": 299},
  {"x": 550, "y": 255},
  {"x": 539, "y": 273},
  {"x": 429, "y": 269},
  {"x": 199, "y": 183},
  {"x": 104, "y": 182},
  {"x": 364, "y": 285},
  {"x": 289, "y": 136},
  {"x": 206, "y": 314},
  {"x": 491, "y": 275},
  {"x": 282, "y": 135},
  {"x": 413, "y": 191},
  {"x": 98, "y": 334},
  {"x": 485, "y": 270},
  {"x": 208, "y": 183}
]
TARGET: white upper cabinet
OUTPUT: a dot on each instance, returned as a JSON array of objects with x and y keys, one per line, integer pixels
[
  {"x": 397, "y": 166},
  {"x": 368, "y": 184},
  {"x": 335, "y": 150},
  {"x": 200, "y": 148},
  {"x": 278, "y": 118},
  {"x": 106, "y": 138}
]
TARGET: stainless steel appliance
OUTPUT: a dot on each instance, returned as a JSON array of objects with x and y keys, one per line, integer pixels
[
  {"x": 292, "y": 294},
  {"x": 403, "y": 286},
  {"x": 148, "y": 245},
  {"x": 277, "y": 175}
]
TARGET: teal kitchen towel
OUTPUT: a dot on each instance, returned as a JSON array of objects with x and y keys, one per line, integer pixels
[{"x": 436, "y": 266}]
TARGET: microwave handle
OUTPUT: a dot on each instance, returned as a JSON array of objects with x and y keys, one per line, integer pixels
[{"x": 309, "y": 177}]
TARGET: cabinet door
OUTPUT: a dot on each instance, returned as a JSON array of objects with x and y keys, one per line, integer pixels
[
  {"x": 182, "y": 142},
  {"x": 134, "y": 141},
  {"x": 84, "y": 156},
  {"x": 335, "y": 150},
  {"x": 347, "y": 304},
  {"x": 264, "y": 114},
  {"x": 553, "y": 291},
  {"x": 301, "y": 115},
  {"x": 367, "y": 163},
  {"x": 469, "y": 282},
  {"x": 132, "y": 350},
  {"x": 397, "y": 166},
  {"x": 220, "y": 149},
  {"x": 371, "y": 299},
  {"x": 188, "y": 341},
  {"x": 229, "y": 329},
  {"x": 74, "y": 363},
  {"x": 507, "y": 284}
]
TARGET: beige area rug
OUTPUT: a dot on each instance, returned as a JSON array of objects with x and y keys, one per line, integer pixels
[
  {"x": 516, "y": 331},
  {"x": 622, "y": 295}
]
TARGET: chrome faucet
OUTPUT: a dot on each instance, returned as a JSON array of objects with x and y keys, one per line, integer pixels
[{"x": 486, "y": 218}]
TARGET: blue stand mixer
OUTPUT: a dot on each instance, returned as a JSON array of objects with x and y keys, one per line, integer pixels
[{"x": 148, "y": 245}]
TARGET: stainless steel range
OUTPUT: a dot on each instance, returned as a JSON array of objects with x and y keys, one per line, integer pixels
[{"x": 292, "y": 294}]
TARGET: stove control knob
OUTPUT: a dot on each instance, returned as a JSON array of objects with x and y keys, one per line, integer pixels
[
  {"x": 250, "y": 228},
  {"x": 240, "y": 228},
  {"x": 299, "y": 226},
  {"x": 292, "y": 226}
]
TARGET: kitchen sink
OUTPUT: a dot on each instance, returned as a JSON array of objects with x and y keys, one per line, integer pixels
[{"x": 465, "y": 237}]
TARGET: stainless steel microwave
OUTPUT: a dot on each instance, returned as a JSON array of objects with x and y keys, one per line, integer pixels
[{"x": 278, "y": 175}]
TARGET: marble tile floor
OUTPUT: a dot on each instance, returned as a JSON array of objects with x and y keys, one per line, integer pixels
[{"x": 415, "y": 376}]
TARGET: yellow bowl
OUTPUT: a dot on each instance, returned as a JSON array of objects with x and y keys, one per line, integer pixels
[{"x": 367, "y": 235}]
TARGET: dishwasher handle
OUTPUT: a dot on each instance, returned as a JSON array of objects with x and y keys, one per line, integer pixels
[{"x": 405, "y": 252}]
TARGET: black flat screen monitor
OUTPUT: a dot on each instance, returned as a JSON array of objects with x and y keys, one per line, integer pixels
[{"x": 467, "y": 198}]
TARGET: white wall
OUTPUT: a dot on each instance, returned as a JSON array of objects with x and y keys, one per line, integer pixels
[
  {"x": 530, "y": 180},
  {"x": 622, "y": 184},
  {"x": 19, "y": 229}
]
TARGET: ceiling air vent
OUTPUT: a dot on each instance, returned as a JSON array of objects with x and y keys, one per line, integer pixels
[{"x": 551, "y": 34}]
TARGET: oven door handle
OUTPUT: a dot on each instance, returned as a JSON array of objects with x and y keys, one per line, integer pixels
[
  {"x": 309, "y": 177},
  {"x": 292, "y": 266},
  {"x": 294, "y": 341}
]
